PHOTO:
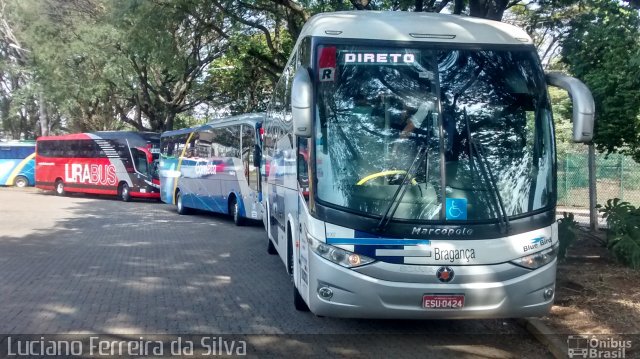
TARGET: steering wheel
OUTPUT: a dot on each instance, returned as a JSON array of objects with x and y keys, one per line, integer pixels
[{"x": 384, "y": 174}]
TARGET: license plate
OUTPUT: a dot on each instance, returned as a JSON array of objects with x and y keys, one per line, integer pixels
[{"x": 440, "y": 301}]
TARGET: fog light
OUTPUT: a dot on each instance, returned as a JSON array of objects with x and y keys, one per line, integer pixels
[
  {"x": 548, "y": 294},
  {"x": 325, "y": 292}
]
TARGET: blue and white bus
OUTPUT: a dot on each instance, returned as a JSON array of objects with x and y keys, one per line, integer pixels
[
  {"x": 17, "y": 163},
  {"x": 214, "y": 167},
  {"x": 431, "y": 167}
]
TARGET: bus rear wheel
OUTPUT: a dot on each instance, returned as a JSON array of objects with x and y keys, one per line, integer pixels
[
  {"x": 59, "y": 188},
  {"x": 21, "y": 182},
  {"x": 124, "y": 192},
  {"x": 234, "y": 210}
]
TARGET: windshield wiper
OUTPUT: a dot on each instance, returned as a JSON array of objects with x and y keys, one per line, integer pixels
[
  {"x": 402, "y": 188},
  {"x": 487, "y": 176}
]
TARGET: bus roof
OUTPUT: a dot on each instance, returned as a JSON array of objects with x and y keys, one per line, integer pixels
[
  {"x": 413, "y": 26},
  {"x": 107, "y": 135},
  {"x": 18, "y": 143},
  {"x": 247, "y": 118}
]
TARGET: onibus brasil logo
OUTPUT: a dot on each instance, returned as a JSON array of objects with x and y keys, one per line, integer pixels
[{"x": 582, "y": 346}]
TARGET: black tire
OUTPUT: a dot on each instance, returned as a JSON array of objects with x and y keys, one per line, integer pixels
[
  {"x": 124, "y": 192},
  {"x": 298, "y": 302},
  {"x": 271, "y": 249},
  {"x": 234, "y": 211},
  {"x": 180, "y": 208},
  {"x": 59, "y": 188},
  {"x": 21, "y": 182}
]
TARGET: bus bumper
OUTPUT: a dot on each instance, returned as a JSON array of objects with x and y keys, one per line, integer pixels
[
  {"x": 150, "y": 192},
  {"x": 355, "y": 295},
  {"x": 155, "y": 195}
]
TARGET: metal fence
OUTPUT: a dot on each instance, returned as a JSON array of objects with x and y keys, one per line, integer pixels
[{"x": 617, "y": 176}]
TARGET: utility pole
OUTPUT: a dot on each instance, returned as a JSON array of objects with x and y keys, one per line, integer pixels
[{"x": 593, "y": 200}]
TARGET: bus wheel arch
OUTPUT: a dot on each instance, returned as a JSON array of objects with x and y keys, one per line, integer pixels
[
  {"x": 20, "y": 181},
  {"x": 58, "y": 187},
  {"x": 124, "y": 191},
  {"x": 233, "y": 207}
]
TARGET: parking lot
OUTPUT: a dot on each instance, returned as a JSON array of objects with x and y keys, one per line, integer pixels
[{"x": 83, "y": 264}]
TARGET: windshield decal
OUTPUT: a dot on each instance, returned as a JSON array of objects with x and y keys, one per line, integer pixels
[
  {"x": 456, "y": 208},
  {"x": 358, "y": 58},
  {"x": 327, "y": 64}
]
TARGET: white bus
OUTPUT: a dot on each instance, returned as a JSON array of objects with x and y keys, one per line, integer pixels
[
  {"x": 426, "y": 142},
  {"x": 213, "y": 167}
]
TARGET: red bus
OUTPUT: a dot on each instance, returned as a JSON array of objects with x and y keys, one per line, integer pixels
[{"x": 121, "y": 163}]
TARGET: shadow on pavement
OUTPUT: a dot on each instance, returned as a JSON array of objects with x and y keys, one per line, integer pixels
[{"x": 131, "y": 269}]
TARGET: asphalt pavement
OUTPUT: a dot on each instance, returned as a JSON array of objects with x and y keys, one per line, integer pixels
[{"x": 96, "y": 265}]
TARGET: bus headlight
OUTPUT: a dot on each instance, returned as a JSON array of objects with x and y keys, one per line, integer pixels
[
  {"x": 337, "y": 255},
  {"x": 538, "y": 259}
]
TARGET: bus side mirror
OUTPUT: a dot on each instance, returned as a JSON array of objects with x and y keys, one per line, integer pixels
[
  {"x": 583, "y": 106},
  {"x": 257, "y": 154},
  {"x": 302, "y": 102}
]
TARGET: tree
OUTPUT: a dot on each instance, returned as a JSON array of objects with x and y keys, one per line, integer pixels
[
  {"x": 17, "y": 114},
  {"x": 169, "y": 72},
  {"x": 603, "y": 50}
]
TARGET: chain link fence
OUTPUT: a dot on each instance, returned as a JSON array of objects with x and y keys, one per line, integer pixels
[{"x": 617, "y": 176}]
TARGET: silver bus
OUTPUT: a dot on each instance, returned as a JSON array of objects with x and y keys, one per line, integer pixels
[
  {"x": 213, "y": 167},
  {"x": 412, "y": 167}
]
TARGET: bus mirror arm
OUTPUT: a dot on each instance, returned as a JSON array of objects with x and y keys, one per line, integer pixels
[
  {"x": 302, "y": 102},
  {"x": 583, "y": 105}
]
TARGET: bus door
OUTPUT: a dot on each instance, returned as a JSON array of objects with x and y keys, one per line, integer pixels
[
  {"x": 250, "y": 171},
  {"x": 207, "y": 185}
]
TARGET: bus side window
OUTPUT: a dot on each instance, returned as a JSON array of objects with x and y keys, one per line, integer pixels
[{"x": 140, "y": 161}]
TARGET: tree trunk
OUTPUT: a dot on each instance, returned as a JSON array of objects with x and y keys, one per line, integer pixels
[
  {"x": 168, "y": 122},
  {"x": 458, "y": 6},
  {"x": 44, "y": 120}
]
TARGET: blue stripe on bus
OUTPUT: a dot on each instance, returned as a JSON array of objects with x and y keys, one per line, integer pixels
[{"x": 361, "y": 234}]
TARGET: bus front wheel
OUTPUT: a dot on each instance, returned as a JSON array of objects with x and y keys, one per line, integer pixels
[
  {"x": 298, "y": 301},
  {"x": 124, "y": 192},
  {"x": 271, "y": 249},
  {"x": 234, "y": 210},
  {"x": 180, "y": 205},
  {"x": 21, "y": 182},
  {"x": 59, "y": 188}
]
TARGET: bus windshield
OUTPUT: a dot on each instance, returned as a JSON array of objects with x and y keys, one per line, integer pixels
[{"x": 466, "y": 129}]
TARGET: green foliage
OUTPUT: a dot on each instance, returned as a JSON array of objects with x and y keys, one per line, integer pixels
[
  {"x": 105, "y": 64},
  {"x": 560, "y": 105},
  {"x": 183, "y": 121},
  {"x": 623, "y": 237},
  {"x": 602, "y": 49},
  {"x": 567, "y": 233}
]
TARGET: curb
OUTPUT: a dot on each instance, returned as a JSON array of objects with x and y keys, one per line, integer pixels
[{"x": 546, "y": 336}]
